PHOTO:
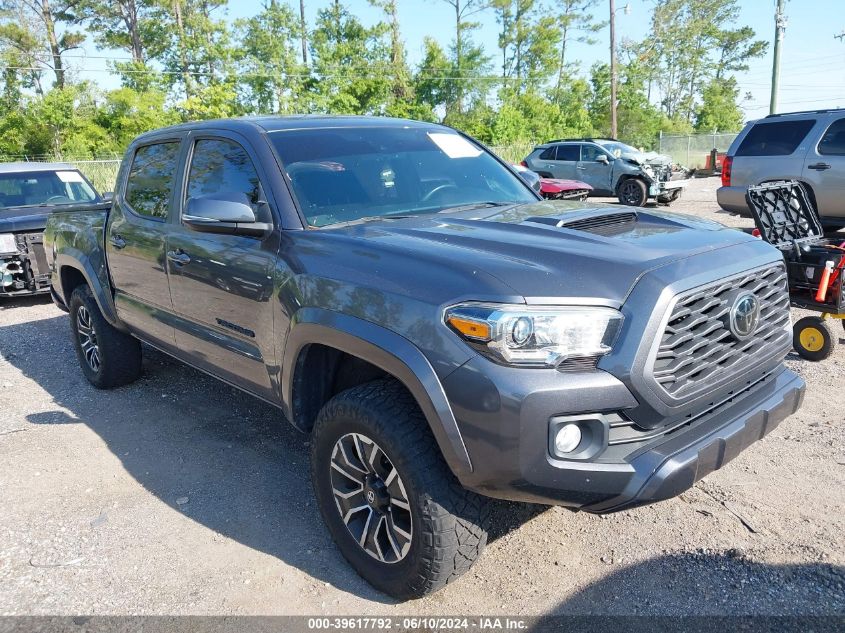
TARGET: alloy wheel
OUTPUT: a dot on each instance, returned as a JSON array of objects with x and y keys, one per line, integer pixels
[
  {"x": 88, "y": 338},
  {"x": 371, "y": 498},
  {"x": 631, "y": 193}
]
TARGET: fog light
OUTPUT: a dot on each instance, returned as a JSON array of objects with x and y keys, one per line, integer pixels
[{"x": 567, "y": 438}]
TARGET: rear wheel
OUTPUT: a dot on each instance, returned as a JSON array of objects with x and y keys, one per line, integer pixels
[
  {"x": 108, "y": 357},
  {"x": 812, "y": 339},
  {"x": 392, "y": 506},
  {"x": 632, "y": 192}
]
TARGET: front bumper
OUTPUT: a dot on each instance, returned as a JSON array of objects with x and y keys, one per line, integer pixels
[
  {"x": 732, "y": 199},
  {"x": 504, "y": 415}
]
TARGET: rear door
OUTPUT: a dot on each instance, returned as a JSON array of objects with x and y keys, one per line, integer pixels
[
  {"x": 561, "y": 160},
  {"x": 222, "y": 284},
  {"x": 824, "y": 170},
  {"x": 596, "y": 174},
  {"x": 135, "y": 240}
]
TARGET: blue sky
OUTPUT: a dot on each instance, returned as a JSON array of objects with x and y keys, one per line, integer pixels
[{"x": 813, "y": 62}]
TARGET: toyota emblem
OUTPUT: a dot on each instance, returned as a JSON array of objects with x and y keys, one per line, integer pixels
[{"x": 744, "y": 315}]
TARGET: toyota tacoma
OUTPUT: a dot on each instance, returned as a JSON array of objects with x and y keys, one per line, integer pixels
[{"x": 443, "y": 334}]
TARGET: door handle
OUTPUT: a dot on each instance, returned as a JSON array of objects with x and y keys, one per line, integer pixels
[
  {"x": 117, "y": 241},
  {"x": 819, "y": 166},
  {"x": 179, "y": 257}
]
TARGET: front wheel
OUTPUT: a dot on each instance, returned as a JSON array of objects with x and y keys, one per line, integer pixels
[
  {"x": 108, "y": 357},
  {"x": 392, "y": 506},
  {"x": 632, "y": 192}
]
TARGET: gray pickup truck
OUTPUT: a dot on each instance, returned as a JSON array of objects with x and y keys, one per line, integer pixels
[{"x": 442, "y": 334}]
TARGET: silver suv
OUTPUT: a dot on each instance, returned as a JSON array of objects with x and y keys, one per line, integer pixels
[
  {"x": 611, "y": 168},
  {"x": 804, "y": 146}
]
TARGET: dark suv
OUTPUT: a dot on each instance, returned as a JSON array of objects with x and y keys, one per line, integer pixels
[{"x": 442, "y": 334}]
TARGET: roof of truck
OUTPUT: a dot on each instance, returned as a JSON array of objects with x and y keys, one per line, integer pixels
[
  {"x": 20, "y": 167},
  {"x": 293, "y": 122}
]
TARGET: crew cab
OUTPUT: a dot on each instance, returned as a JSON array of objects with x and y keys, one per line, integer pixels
[
  {"x": 442, "y": 334},
  {"x": 29, "y": 192}
]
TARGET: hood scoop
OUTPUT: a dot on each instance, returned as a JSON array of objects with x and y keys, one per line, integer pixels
[{"x": 606, "y": 224}]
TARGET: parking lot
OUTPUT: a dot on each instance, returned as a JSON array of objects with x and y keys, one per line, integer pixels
[{"x": 180, "y": 495}]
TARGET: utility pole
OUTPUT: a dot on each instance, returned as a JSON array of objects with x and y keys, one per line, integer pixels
[
  {"x": 780, "y": 28},
  {"x": 613, "y": 130}
]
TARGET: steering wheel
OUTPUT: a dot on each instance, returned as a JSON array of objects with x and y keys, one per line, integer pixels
[
  {"x": 56, "y": 199},
  {"x": 436, "y": 190}
]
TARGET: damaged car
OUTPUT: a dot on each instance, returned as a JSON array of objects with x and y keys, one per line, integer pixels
[
  {"x": 611, "y": 168},
  {"x": 29, "y": 192}
]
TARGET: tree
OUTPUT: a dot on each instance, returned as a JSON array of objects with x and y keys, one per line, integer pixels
[
  {"x": 349, "y": 64},
  {"x": 400, "y": 74},
  {"x": 576, "y": 25},
  {"x": 718, "y": 111},
  {"x": 467, "y": 56},
  {"x": 528, "y": 41},
  {"x": 267, "y": 56},
  {"x": 39, "y": 25}
]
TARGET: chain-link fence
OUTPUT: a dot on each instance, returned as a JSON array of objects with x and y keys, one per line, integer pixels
[
  {"x": 693, "y": 150},
  {"x": 101, "y": 173},
  {"x": 513, "y": 152}
]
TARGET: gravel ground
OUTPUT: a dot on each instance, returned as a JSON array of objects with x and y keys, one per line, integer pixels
[{"x": 180, "y": 495}]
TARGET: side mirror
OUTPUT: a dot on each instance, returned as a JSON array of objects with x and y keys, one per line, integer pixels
[
  {"x": 602, "y": 158},
  {"x": 223, "y": 213},
  {"x": 107, "y": 196},
  {"x": 532, "y": 178}
]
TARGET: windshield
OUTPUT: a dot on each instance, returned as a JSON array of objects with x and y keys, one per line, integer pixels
[
  {"x": 617, "y": 149},
  {"x": 38, "y": 188},
  {"x": 346, "y": 174}
]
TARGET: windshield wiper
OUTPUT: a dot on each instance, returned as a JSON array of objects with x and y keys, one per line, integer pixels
[{"x": 473, "y": 205}]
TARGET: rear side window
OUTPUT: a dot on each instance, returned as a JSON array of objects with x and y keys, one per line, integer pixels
[
  {"x": 779, "y": 138},
  {"x": 151, "y": 177},
  {"x": 223, "y": 168},
  {"x": 548, "y": 153},
  {"x": 833, "y": 141},
  {"x": 569, "y": 152}
]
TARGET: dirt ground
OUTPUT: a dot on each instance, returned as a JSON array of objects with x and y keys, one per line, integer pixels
[{"x": 179, "y": 495}]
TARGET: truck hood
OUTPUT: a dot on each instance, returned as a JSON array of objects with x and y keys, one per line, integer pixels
[
  {"x": 17, "y": 219},
  {"x": 545, "y": 251}
]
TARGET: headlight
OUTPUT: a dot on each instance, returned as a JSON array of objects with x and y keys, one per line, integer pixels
[{"x": 535, "y": 336}]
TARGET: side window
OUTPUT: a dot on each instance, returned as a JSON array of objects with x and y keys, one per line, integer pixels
[
  {"x": 151, "y": 177},
  {"x": 780, "y": 138},
  {"x": 591, "y": 153},
  {"x": 548, "y": 153},
  {"x": 568, "y": 153},
  {"x": 833, "y": 141},
  {"x": 223, "y": 168}
]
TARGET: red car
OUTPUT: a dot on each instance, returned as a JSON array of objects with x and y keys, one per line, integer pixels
[{"x": 557, "y": 188}]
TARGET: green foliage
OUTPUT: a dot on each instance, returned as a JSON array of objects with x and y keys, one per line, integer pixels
[
  {"x": 188, "y": 61},
  {"x": 718, "y": 111}
]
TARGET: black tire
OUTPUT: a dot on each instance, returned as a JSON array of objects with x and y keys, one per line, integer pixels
[
  {"x": 632, "y": 192},
  {"x": 812, "y": 339},
  {"x": 447, "y": 522},
  {"x": 118, "y": 355}
]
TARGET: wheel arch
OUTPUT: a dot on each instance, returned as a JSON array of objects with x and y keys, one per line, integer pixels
[
  {"x": 318, "y": 339},
  {"x": 74, "y": 269}
]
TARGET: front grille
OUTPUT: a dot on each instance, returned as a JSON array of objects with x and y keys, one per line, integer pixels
[
  {"x": 697, "y": 347},
  {"x": 603, "y": 224}
]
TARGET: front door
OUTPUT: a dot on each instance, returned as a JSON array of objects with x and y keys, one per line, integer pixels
[
  {"x": 222, "y": 284},
  {"x": 824, "y": 171},
  {"x": 593, "y": 171},
  {"x": 135, "y": 242}
]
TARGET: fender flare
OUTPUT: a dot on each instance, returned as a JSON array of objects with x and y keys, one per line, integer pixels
[
  {"x": 389, "y": 351},
  {"x": 79, "y": 261}
]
